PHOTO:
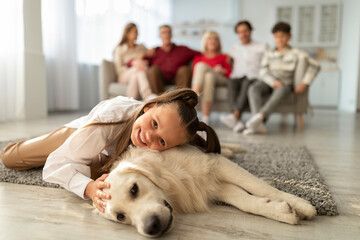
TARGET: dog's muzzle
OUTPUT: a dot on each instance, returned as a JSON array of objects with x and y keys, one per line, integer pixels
[{"x": 153, "y": 223}]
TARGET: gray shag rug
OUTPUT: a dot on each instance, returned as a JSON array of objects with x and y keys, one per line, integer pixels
[{"x": 288, "y": 168}]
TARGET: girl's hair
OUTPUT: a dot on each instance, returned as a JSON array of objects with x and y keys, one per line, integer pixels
[
  {"x": 127, "y": 29},
  {"x": 205, "y": 38},
  {"x": 185, "y": 100}
]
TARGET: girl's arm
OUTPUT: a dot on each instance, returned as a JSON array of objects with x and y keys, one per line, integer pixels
[{"x": 69, "y": 165}]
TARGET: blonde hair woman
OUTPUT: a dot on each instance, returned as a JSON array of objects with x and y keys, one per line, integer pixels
[
  {"x": 129, "y": 66},
  {"x": 210, "y": 69}
]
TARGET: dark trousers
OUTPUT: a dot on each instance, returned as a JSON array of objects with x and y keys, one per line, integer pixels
[
  {"x": 237, "y": 90},
  {"x": 158, "y": 81}
]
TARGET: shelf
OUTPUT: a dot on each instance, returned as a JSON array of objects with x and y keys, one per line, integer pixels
[{"x": 195, "y": 25}]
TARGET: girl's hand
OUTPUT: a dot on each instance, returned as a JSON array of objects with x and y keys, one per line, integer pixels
[{"x": 94, "y": 191}]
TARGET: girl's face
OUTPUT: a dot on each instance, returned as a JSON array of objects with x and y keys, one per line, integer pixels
[
  {"x": 159, "y": 128},
  {"x": 212, "y": 44}
]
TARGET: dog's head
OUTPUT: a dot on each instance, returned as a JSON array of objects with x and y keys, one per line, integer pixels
[{"x": 137, "y": 199}]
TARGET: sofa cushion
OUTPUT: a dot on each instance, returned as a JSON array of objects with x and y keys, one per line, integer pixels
[{"x": 117, "y": 89}]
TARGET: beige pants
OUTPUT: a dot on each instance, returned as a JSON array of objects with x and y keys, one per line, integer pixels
[
  {"x": 33, "y": 153},
  {"x": 208, "y": 79},
  {"x": 137, "y": 82}
]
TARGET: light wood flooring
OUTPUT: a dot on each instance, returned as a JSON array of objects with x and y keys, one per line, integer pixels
[{"x": 333, "y": 138}]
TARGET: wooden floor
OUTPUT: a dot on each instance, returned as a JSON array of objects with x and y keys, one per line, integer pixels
[{"x": 30, "y": 212}]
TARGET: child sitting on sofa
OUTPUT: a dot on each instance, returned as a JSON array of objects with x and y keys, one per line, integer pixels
[{"x": 277, "y": 78}]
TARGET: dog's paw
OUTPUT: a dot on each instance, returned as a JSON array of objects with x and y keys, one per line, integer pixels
[
  {"x": 236, "y": 148},
  {"x": 227, "y": 152},
  {"x": 285, "y": 213},
  {"x": 304, "y": 209}
]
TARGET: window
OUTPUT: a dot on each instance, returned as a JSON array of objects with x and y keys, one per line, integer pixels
[{"x": 100, "y": 25}]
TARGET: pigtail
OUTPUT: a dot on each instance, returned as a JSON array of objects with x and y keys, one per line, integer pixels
[{"x": 211, "y": 144}]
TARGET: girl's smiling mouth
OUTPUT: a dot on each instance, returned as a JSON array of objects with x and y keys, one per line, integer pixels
[{"x": 141, "y": 138}]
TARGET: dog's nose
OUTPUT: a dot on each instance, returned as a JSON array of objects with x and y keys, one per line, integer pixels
[{"x": 152, "y": 225}]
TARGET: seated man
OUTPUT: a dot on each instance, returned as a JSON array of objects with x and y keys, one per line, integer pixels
[
  {"x": 247, "y": 55},
  {"x": 170, "y": 63},
  {"x": 277, "y": 78}
]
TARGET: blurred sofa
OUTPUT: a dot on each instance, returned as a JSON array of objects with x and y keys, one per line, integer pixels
[{"x": 295, "y": 104}]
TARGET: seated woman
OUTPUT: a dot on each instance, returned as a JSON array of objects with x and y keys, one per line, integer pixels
[
  {"x": 210, "y": 69},
  {"x": 129, "y": 66}
]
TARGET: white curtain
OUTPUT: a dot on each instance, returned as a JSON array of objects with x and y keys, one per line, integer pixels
[
  {"x": 59, "y": 43},
  {"x": 78, "y": 34},
  {"x": 11, "y": 59},
  {"x": 100, "y": 24}
]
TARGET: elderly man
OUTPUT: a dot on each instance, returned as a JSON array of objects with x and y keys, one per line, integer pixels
[{"x": 169, "y": 64}]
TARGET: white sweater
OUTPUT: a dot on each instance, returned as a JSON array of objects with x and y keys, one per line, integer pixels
[{"x": 69, "y": 165}]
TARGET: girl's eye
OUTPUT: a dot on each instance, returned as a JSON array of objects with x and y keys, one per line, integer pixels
[
  {"x": 162, "y": 142},
  {"x": 155, "y": 124}
]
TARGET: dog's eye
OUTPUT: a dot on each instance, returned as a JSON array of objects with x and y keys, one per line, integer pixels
[
  {"x": 120, "y": 217},
  {"x": 134, "y": 190}
]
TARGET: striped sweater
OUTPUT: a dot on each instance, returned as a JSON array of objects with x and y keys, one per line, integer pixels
[{"x": 281, "y": 66}]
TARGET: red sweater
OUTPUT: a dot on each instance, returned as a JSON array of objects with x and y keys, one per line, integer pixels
[
  {"x": 221, "y": 59},
  {"x": 169, "y": 62}
]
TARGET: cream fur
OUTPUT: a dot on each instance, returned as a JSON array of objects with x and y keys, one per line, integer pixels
[{"x": 191, "y": 181}]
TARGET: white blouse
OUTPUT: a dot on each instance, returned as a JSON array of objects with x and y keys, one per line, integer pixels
[{"x": 69, "y": 165}]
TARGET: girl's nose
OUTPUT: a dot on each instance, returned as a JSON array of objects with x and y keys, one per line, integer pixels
[{"x": 149, "y": 136}]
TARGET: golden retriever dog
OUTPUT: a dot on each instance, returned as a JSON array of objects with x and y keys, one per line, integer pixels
[{"x": 148, "y": 187}]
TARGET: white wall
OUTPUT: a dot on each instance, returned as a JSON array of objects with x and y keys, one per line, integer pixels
[
  {"x": 358, "y": 93},
  {"x": 225, "y": 12},
  {"x": 349, "y": 57},
  {"x": 261, "y": 14}
]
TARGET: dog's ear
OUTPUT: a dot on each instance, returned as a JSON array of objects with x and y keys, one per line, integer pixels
[{"x": 152, "y": 173}]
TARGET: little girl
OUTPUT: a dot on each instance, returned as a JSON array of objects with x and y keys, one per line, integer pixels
[{"x": 85, "y": 148}]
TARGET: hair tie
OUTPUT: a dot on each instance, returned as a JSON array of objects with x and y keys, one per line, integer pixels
[
  {"x": 190, "y": 100},
  {"x": 201, "y": 126}
]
